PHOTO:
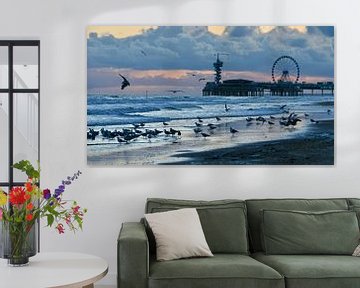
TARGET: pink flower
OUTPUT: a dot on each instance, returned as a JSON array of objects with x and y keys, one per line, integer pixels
[
  {"x": 76, "y": 210},
  {"x": 1, "y": 213},
  {"x": 60, "y": 228}
]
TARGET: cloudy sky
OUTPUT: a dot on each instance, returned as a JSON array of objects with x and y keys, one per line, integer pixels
[{"x": 161, "y": 58}]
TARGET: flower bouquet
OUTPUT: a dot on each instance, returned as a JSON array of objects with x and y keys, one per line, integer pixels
[{"x": 21, "y": 208}]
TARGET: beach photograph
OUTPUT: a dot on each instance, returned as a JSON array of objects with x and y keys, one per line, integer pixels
[{"x": 210, "y": 95}]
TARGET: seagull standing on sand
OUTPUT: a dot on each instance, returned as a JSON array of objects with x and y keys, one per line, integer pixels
[
  {"x": 124, "y": 83},
  {"x": 226, "y": 108},
  {"x": 218, "y": 118},
  {"x": 120, "y": 140},
  {"x": 233, "y": 131},
  {"x": 314, "y": 121},
  {"x": 205, "y": 135}
]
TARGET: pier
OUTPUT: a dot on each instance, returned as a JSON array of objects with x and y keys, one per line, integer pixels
[{"x": 285, "y": 83}]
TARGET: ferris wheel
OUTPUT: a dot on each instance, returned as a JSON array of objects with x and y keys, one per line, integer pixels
[{"x": 285, "y": 69}]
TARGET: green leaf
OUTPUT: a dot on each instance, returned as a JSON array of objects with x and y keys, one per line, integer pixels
[
  {"x": 26, "y": 167},
  {"x": 50, "y": 219}
]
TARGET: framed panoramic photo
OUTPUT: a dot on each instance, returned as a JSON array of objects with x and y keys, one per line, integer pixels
[{"x": 210, "y": 95}]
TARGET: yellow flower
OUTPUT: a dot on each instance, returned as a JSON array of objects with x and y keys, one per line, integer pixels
[{"x": 3, "y": 198}]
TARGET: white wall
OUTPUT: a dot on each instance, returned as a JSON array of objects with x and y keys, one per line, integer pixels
[{"x": 115, "y": 195}]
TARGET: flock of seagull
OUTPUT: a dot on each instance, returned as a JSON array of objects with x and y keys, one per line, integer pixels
[{"x": 130, "y": 134}]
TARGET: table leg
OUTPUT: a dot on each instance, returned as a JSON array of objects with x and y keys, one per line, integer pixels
[{"x": 89, "y": 286}]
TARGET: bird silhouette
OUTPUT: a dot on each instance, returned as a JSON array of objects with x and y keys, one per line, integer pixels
[
  {"x": 205, "y": 135},
  {"x": 202, "y": 79},
  {"x": 124, "y": 83},
  {"x": 233, "y": 131},
  {"x": 143, "y": 52},
  {"x": 314, "y": 121},
  {"x": 226, "y": 107},
  {"x": 175, "y": 91}
]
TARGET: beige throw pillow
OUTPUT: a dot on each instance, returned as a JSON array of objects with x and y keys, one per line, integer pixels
[
  {"x": 178, "y": 234},
  {"x": 357, "y": 251}
]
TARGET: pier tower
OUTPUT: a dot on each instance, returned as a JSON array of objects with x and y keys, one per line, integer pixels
[{"x": 217, "y": 67}]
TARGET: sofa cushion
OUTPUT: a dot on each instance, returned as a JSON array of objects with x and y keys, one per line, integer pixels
[
  {"x": 297, "y": 232},
  {"x": 356, "y": 209},
  {"x": 222, "y": 270},
  {"x": 314, "y": 271},
  {"x": 224, "y": 221},
  {"x": 353, "y": 201},
  {"x": 178, "y": 234},
  {"x": 255, "y": 206}
]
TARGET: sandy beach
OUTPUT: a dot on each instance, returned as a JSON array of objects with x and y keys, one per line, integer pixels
[{"x": 320, "y": 150}]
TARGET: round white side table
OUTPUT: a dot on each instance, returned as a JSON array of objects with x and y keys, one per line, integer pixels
[{"x": 50, "y": 270}]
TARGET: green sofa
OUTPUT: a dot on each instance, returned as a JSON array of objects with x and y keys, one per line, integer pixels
[{"x": 233, "y": 230}]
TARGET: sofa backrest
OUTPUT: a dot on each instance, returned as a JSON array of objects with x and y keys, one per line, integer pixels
[
  {"x": 256, "y": 205},
  {"x": 223, "y": 221}
]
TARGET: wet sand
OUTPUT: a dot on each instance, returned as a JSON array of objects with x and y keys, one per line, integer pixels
[{"x": 314, "y": 147}]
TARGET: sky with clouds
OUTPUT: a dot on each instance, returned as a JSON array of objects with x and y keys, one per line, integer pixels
[{"x": 167, "y": 57}]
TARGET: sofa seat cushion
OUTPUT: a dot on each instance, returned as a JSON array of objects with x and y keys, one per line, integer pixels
[
  {"x": 314, "y": 271},
  {"x": 222, "y": 270}
]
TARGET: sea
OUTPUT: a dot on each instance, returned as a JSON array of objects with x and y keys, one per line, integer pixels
[{"x": 116, "y": 112}]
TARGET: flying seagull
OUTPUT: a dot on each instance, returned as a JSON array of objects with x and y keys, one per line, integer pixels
[
  {"x": 143, "y": 52},
  {"x": 175, "y": 91},
  {"x": 125, "y": 82},
  {"x": 202, "y": 79}
]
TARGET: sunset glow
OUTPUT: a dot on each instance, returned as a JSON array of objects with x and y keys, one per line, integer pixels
[
  {"x": 217, "y": 30},
  {"x": 118, "y": 31},
  {"x": 267, "y": 29}
]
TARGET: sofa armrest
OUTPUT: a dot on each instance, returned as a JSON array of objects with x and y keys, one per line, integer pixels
[{"x": 133, "y": 256}]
